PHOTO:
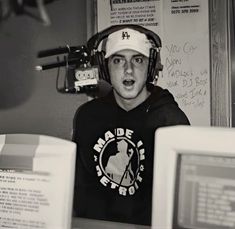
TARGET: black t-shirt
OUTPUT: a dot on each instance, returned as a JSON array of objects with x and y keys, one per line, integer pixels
[{"x": 114, "y": 168}]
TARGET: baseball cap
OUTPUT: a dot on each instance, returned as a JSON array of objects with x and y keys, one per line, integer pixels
[{"x": 127, "y": 39}]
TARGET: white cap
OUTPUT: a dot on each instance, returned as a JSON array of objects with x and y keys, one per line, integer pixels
[{"x": 127, "y": 39}]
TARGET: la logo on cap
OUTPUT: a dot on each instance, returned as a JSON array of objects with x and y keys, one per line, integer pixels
[{"x": 125, "y": 35}]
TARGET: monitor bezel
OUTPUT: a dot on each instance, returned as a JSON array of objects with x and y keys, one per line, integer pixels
[{"x": 175, "y": 141}]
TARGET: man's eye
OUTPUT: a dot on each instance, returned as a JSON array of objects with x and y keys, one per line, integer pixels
[
  {"x": 138, "y": 60},
  {"x": 118, "y": 60}
]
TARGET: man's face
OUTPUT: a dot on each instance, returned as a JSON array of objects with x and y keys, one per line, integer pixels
[{"x": 128, "y": 75}]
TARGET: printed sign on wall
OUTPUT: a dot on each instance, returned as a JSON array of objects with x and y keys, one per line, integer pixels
[{"x": 142, "y": 12}]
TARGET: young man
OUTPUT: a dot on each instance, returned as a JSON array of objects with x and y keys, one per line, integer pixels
[{"x": 115, "y": 134}]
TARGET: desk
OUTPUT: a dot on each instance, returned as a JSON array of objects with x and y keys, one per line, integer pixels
[{"x": 82, "y": 223}]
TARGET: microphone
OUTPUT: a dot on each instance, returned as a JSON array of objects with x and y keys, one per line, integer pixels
[
  {"x": 78, "y": 57},
  {"x": 56, "y": 65},
  {"x": 60, "y": 50}
]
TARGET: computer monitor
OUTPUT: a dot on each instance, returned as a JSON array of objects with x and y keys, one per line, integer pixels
[
  {"x": 194, "y": 178},
  {"x": 36, "y": 181}
]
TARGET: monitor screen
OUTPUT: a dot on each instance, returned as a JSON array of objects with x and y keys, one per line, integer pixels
[
  {"x": 194, "y": 178},
  {"x": 205, "y": 192}
]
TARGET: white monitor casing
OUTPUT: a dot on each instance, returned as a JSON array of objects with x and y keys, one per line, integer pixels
[{"x": 169, "y": 143}]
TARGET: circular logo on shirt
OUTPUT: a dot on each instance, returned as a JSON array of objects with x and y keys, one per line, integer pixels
[{"x": 120, "y": 161}]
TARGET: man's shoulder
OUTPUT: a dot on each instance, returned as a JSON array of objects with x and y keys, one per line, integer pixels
[
  {"x": 165, "y": 107},
  {"x": 92, "y": 103},
  {"x": 95, "y": 105}
]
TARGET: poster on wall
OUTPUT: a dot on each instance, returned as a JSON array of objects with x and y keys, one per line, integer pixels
[
  {"x": 183, "y": 26},
  {"x": 146, "y": 13},
  {"x": 186, "y": 57}
]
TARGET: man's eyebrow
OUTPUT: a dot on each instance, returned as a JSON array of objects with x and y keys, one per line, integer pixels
[
  {"x": 138, "y": 55},
  {"x": 119, "y": 55}
]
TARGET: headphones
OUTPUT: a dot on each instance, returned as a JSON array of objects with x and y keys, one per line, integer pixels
[{"x": 154, "y": 65}]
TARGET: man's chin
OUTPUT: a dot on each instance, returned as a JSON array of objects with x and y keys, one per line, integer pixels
[{"x": 128, "y": 95}]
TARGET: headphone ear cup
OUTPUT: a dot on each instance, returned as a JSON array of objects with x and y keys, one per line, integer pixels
[
  {"x": 154, "y": 65},
  {"x": 102, "y": 63},
  {"x": 159, "y": 65}
]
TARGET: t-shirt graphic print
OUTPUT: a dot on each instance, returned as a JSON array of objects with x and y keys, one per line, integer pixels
[{"x": 119, "y": 158}]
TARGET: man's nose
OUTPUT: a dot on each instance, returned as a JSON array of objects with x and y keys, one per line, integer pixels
[{"x": 128, "y": 66}]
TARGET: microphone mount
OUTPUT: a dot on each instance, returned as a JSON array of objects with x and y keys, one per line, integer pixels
[{"x": 80, "y": 75}]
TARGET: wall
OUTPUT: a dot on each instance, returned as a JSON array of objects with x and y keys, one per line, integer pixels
[
  {"x": 232, "y": 49},
  {"x": 29, "y": 102},
  {"x": 220, "y": 63}
]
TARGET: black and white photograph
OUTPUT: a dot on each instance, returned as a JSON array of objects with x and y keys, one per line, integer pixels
[{"x": 117, "y": 114}]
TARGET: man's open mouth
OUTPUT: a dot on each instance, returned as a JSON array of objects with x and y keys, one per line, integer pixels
[{"x": 128, "y": 82}]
